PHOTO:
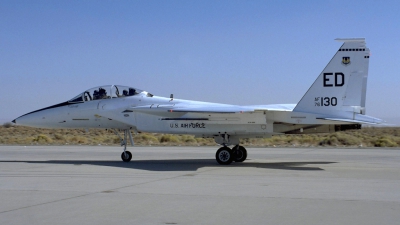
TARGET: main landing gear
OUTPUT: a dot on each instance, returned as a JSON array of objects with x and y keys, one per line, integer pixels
[
  {"x": 225, "y": 155},
  {"x": 126, "y": 156}
]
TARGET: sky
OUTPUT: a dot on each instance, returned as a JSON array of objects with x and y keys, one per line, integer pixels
[{"x": 234, "y": 52}]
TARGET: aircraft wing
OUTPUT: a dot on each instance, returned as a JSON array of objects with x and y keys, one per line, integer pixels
[
  {"x": 217, "y": 108},
  {"x": 189, "y": 108}
]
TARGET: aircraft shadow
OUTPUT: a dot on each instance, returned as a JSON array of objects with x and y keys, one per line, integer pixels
[{"x": 184, "y": 164}]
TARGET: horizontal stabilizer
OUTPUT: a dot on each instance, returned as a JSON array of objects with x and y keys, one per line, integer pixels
[{"x": 351, "y": 121}]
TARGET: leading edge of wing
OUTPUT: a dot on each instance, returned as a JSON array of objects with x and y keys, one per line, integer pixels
[
  {"x": 187, "y": 109},
  {"x": 210, "y": 109}
]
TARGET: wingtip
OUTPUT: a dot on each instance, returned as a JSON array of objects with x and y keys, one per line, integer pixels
[{"x": 14, "y": 121}]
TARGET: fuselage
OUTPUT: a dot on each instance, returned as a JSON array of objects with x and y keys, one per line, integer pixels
[
  {"x": 334, "y": 100},
  {"x": 147, "y": 113}
]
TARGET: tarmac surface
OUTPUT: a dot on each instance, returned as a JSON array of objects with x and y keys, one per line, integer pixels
[{"x": 185, "y": 185}]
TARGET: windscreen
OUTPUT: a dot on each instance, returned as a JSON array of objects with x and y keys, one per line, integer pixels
[{"x": 105, "y": 92}]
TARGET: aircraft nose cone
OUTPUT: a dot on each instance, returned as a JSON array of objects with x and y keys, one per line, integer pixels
[
  {"x": 17, "y": 119},
  {"x": 30, "y": 120}
]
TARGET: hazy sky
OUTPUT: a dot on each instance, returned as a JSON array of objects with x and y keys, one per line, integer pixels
[{"x": 235, "y": 52}]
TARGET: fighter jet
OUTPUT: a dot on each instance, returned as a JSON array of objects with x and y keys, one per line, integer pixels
[{"x": 334, "y": 102}]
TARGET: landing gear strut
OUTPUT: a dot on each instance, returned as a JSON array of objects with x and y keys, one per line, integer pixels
[
  {"x": 225, "y": 155},
  {"x": 126, "y": 156}
]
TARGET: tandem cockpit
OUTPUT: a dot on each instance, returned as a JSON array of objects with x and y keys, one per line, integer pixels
[{"x": 106, "y": 92}]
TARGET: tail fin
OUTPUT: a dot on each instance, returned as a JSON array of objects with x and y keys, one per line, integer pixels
[{"x": 342, "y": 85}]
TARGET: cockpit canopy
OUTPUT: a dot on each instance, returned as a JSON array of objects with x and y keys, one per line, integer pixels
[{"x": 106, "y": 92}]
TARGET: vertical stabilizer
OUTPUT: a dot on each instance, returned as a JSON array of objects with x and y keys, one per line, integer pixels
[{"x": 342, "y": 85}]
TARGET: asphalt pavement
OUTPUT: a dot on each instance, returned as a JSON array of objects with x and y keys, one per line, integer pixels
[{"x": 185, "y": 185}]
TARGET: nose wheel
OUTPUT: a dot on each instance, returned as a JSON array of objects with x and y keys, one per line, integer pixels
[
  {"x": 126, "y": 156},
  {"x": 225, "y": 155}
]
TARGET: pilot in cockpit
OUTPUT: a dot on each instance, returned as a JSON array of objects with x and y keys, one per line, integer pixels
[
  {"x": 99, "y": 94},
  {"x": 96, "y": 95},
  {"x": 131, "y": 91},
  {"x": 124, "y": 93},
  {"x": 102, "y": 93}
]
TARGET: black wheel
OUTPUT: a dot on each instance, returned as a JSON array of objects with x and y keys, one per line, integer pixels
[
  {"x": 224, "y": 156},
  {"x": 126, "y": 156},
  {"x": 239, "y": 153}
]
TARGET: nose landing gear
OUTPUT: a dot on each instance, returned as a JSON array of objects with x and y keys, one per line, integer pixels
[{"x": 126, "y": 156}]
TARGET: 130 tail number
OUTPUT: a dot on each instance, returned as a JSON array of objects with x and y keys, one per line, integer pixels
[{"x": 325, "y": 101}]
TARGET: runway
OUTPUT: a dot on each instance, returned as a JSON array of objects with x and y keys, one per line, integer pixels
[{"x": 185, "y": 185}]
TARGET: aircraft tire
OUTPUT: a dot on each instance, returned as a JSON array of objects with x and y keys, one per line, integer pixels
[
  {"x": 128, "y": 158},
  {"x": 240, "y": 154},
  {"x": 224, "y": 156}
]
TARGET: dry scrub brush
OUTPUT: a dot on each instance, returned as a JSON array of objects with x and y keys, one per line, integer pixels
[{"x": 366, "y": 137}]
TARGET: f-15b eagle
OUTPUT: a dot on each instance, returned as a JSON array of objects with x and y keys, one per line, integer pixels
[{"x": 335, "y": 101}]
